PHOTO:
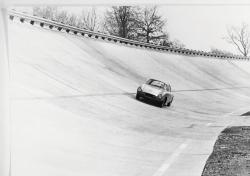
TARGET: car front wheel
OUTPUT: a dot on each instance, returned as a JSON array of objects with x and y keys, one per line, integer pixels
[
  {"x": 137, "y": 97},
  {"x": 169, "y": 104},
  {"x": 162, "y": 103}
]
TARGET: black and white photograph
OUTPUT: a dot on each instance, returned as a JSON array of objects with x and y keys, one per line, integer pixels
[{"x": 124, "y": 88}]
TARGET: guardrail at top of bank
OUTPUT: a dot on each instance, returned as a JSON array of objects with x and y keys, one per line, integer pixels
[{"x": 23, "y": 17}]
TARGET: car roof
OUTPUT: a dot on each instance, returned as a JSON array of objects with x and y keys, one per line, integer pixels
[{"x": 158, "y": 80}]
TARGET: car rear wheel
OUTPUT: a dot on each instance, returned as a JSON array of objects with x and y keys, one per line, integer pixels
[{"x": 137, "y": 97}]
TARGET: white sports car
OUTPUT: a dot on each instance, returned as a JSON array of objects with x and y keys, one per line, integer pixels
[{"x": 157, "y": 91}]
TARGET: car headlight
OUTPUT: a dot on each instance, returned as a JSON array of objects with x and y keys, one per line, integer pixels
[
  {"x": 159, "y": 96},
  {"x": 139, "y": 89}
]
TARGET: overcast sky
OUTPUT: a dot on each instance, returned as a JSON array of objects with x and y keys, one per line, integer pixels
[
  {"x": 203, "y": 27},
  {"x": 197, "y": 26}
]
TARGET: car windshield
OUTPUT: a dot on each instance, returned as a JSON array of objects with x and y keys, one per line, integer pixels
[{"x": 155, "y": 83}]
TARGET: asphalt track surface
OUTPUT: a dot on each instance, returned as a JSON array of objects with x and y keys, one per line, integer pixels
[{"x": 74, "y": 112}]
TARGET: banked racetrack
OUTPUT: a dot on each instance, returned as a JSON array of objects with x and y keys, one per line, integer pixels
[{"x": 74, "y": 112}]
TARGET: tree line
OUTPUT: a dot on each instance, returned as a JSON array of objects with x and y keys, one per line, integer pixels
[
  {"x": 85, "y": 20},
  {"x": 143, "y": 24}
]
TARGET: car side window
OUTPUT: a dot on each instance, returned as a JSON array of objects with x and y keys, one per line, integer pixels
[{"x": 149, "y": 81}]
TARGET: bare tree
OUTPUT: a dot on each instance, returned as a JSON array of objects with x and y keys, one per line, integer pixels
[
  {"x": 72, "y": 20},
  {"x": 177, "y": 44},
  {"x": 150, "y": 24},
  {"x": 219, "y": 51},
  {"x": 239, "y": 37},
  {"x": 121, "y": 21},
  {"x": 62, "y": 17},
  {"x": 165, "y": 41},
  {"x": 47, "y": 12},
  {"x": 89, "y": 20}
]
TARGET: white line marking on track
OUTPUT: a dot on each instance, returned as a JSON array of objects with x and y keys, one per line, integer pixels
[
  {"x": 231, "y": 113},
  {"x": 171, "y": 159},
  {"x": 165, "y": 166}
]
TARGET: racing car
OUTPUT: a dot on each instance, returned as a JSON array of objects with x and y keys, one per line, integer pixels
[{"x": 156, "y": 91}]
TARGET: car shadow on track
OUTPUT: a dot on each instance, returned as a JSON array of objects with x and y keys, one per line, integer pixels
[{"x": 146, "y": 101}]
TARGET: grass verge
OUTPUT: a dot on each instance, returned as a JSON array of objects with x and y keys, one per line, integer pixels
[{"x": 231, "y": 153}]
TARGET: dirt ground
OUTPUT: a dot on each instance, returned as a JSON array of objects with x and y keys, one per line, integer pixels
[
  {"x": 231, "y": 154},
  {"x": 246, "y": 114}
]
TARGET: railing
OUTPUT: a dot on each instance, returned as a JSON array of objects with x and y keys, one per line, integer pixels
[{"x": 23, "y": 17}]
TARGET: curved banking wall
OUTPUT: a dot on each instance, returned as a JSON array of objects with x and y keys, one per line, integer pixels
[{"x": 74, "y": 110}]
